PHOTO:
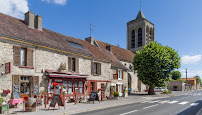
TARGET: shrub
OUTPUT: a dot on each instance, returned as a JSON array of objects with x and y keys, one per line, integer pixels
[
  {"x": 116, "y": 94},
  {"x": 1, "y": 101},
  {"x": 166, "y": 91}
]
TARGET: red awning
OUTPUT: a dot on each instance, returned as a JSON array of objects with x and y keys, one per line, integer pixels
[{"x": 52, "y": 73}]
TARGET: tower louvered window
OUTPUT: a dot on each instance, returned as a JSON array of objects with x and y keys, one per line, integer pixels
[
  {"x": 139, "y": 37},
  {"x": 133, "y": 39}
]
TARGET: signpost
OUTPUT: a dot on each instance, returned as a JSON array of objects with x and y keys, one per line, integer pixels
[{"x": 56, "y": 99}]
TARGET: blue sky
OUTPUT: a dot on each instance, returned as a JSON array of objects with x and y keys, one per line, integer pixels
[{"x": 177, "y": 22}]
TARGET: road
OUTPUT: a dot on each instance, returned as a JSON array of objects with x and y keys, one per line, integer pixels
[{"x": 185, "y": 104}]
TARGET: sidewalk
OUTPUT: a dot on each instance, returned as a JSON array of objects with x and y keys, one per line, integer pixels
[{"x": 71, "y": 108}]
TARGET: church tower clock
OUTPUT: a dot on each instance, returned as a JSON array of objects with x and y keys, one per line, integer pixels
[{"x": 139, "y": 32}]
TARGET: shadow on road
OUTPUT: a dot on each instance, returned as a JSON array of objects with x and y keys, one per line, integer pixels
[{"x": 193, "y": 109}]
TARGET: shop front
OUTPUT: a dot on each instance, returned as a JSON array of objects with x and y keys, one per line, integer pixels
[{"x": 67, "y": 84}]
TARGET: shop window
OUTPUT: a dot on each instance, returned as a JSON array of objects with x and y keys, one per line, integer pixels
[
  {"x": 76, "y": 87},
  {"x": 70, "y": 88},
  {"x": 80, "y": 87},
  {"x": 65, "y": 84}
]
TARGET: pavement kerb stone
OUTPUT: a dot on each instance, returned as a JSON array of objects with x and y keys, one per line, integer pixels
[{"x": 199, "y": 112}]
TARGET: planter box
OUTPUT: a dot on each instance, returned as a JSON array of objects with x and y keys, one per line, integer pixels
[
  {"x": 6, "y": 91},
  {"x": 4, "y": 108}
]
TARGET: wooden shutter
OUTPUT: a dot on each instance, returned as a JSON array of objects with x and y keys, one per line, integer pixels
[
  {"x": 116, "y": 87},
  {"x": 8, "y": 68},
  {"x": 99, "y": 68},
  {"x": 77, "y": 65},
  {"x": 16, "y": 81},
  {"x": 122, "y": 88},
  {"x": 35, "y": 86},
  {"x": 16, "y": 55},
  {"x": 122, "y": 74},
  {"x": 117, "y": 74},
  {"x": 29, "y": 57},
  {"x": 69, "y": 64},
  {"x": 95, "y": 86},
  {"x": 92, "y": 68}
]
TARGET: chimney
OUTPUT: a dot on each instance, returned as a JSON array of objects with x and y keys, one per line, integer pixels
[
  {"x": 90, "y": 40},
  {"x": 33, "y": 21},
  {"x": 29, "y": 19},
  {"x": 38, "y": 22}
]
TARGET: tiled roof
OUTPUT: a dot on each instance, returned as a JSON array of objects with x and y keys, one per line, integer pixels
[
  {"x": 93, "y": 49},
  {"x": 114, "y": 61},
  {"x": 120, "y": 53},
  {"x": 13, "y": 27}
]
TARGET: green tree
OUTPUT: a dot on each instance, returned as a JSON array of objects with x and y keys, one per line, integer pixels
[
  {"x": 176, "y": 75},
  {"x": 154, "y": 63},
  {"x": 198, "y": 80}
]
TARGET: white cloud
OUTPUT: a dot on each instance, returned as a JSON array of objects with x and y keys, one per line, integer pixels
[
  {"x": 190, "y": 59},
  {"x": 60, "y": 2},
  {"x": 15, "y": 8},
  {"x": 191, "y": 73}
]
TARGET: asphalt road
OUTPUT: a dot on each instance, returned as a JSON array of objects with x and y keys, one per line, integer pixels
[{"x": 185, "y": 104}]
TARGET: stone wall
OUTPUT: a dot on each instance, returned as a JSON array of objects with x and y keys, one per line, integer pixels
[{"x": 42, "y": 60}]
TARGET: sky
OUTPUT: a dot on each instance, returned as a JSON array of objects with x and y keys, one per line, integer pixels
[{"x": 177, "y": 22}]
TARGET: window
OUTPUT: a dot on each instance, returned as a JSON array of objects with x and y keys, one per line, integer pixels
[
  {"x": 95, "y": 68},
  {"x": 76, "y": 87},
  {"x": 24, "y": 85},
  {"x": 150, "y": 35},
  {"x": 80, "y": 87},
  {"x": 76, "y": 45},
  {"x": 23, "y": 56},
  {"x": 119, "y": 88},
  {"x": 70, "y": 88},
  {"x": 120, "y": 74},
  {"x": 73, "y": 64},
  {"x": 139, "y": 37},
  {"x": 133, "y": 39},
  {"x": 108, "y": 47}
]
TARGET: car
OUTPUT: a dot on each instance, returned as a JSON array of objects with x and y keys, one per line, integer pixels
[
  {"x": 147, "y": 90},
  {"x": 159, "y": 89}
]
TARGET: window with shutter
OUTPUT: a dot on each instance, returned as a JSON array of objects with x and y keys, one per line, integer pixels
[
  {"x": 29, "y": 57},
  {"x": 35, "y": 89},
  {"x": 69, "y": 63},
  {"x": 96, "y": 68},
  {"x": 73, "y": 65},
  {"x": 120, "y": 74},
  {"x": 116, "y": 87},
  {"x": 77, "y": 65},
  {"x": 16, "y": 55}
]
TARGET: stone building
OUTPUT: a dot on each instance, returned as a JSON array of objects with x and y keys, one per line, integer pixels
[{"x": 35, "y": 60}]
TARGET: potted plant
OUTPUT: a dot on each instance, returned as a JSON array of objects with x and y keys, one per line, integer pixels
[
  {"x": 116, "y": 94},
  {"x": 3, "y": 105}
]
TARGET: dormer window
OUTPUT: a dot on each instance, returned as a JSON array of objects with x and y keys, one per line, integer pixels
[{"x": 108, "y": 47}]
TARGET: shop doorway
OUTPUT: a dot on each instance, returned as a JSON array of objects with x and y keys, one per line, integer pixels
[
  {"x": 92, "y": 86},
  {"x": 129, "y": 83}
]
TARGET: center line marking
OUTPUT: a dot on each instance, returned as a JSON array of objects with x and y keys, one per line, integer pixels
[
  {"x": 194, "y": 104},
  {"x": 184, "y": 102},
  {"x": 150, "y": 106},
  {"x": 128, "y": 112},
  {"x": 173, "y": 102}
]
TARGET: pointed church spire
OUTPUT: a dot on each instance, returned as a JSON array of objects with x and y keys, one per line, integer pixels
[{"x": 140, "y": 15}]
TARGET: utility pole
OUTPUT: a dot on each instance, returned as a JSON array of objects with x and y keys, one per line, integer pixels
[{"x": 186, "y": 81}]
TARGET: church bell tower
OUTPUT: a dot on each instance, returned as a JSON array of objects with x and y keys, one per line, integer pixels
[{"x": 139, "y": 32}]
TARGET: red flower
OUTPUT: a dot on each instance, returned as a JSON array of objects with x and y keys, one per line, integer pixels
[
  {"x": 25, "y": 98},
  {"x": 35, "y": 96}
]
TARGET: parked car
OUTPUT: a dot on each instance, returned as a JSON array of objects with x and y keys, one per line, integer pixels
[
  {"x": 147, "y": 90},
  {"x": 159, "y": 89}
]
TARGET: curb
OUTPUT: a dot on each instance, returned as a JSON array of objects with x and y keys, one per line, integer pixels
[{"x": 199, "y": 112}]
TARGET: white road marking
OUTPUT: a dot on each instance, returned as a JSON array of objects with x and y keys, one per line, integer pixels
[
  {"x": 128, "y": 112},
  {"x": 144, "y": 101},
  {"x": 194, "y": 104},
  {"x": 150, "y": 106},
  {"x": 199, "y": 93},
  {"x": 183, "y": 103},
  {"x": 173, "y": 102},
  {"x": 195, "y": 94},
  {"x": 166, "y": 101},
  {"x": 154, "y": 101}
]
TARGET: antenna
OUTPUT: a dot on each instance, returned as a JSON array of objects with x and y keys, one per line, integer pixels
[
  {"x": 91, "y": 25},
  {"x": 140, "y": 3}
]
